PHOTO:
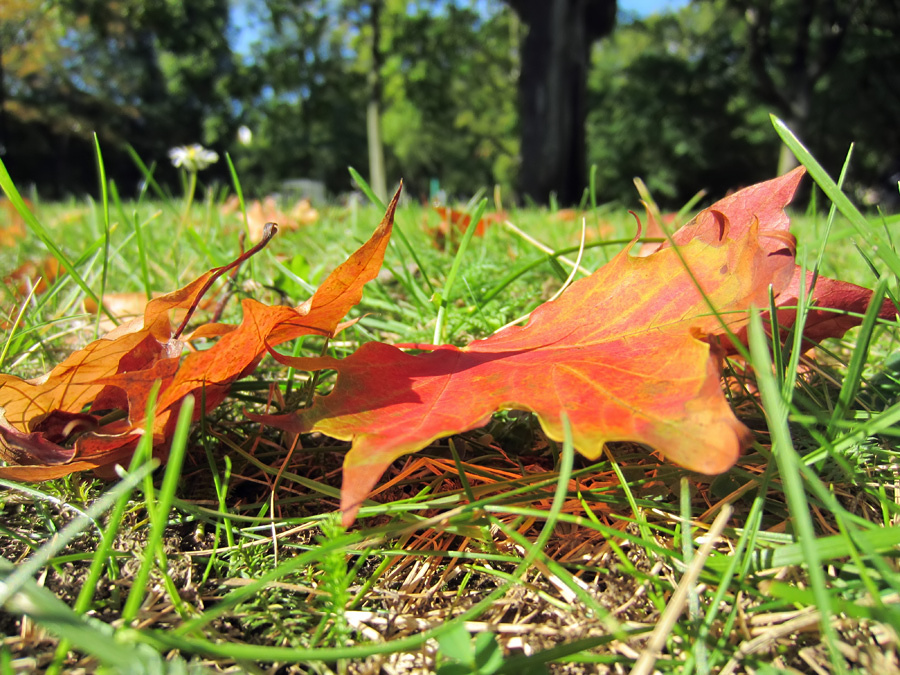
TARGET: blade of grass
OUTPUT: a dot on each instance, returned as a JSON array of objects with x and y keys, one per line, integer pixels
[
  {"x": 652, "y": 650},
  {"x": 443, "y": 297},
  {"x": 167, "y": 640},
  {"x": 12, "y": 193},
  {"x": 638, "y": 512},
  {"x": 142, "y": 255},
  {"x": 776, "y": 410},
  {"x": 15, "y": 326},
  {"x": 690, "y": 204},
  {"x": 92, "y": 636},
  {"x": 879, "y": 244},
  {"x": 567, "y": 281},
  {"x": 687, "y": 554},
  {"x": 527, "y": 267},
  {"x": 24, "y": 571},
  {"x": 163, "y": 507},
  {"x": 546, "y": 249},
  {"x": 566, "y": 462},
  {"x": 141, "y": 462},
  {"x": 236, "y": 182},
  {"x": 777, "y": 352},
  {"x": 238, "y": 190},
  {"x": 803, "y": 301},
  {"x": 364, "y": 186},
  {"x": 853, "y": 376},
  {"x": 740, "y": 555},
  {"x": 104, "y": 194},
  {"x": 150, "y": 181}
]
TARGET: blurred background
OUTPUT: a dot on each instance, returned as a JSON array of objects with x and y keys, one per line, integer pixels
[{"x": 451, "y": 95}]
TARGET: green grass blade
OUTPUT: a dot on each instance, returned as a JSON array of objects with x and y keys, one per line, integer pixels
[
  {"x": 689, "y": 205},
  {"x": 236, "y": 182},
  {"x": 163, "y": 507},
  {"x": 853, "y": 377},
  {"x": 104, "y": 551},
  {"x": 150, "y": 181},
  {"x": 104, "y": 195},
  {"x": 566, "y": 462},
  {"x": 167, "y": 640},
  {"x": 803, "y": 301},
  {"x": 443, "y": 297},
  {"x": 777, "y": 352},
  {"x": 879, "y": 540},
  {"x": 367, "y": 190},
  {"x": 89, "y": 635},
  {"x": 880, "y": 245},
  {"x": 30, "y": 567},
  {"x": 776, "y": 410},
  {"x": 142, "y": 255},
  {"x": 15, "y": 327},
  {"x": 12, "y": 193}
]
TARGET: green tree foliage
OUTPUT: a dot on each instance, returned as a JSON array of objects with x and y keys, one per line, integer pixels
[
  {"x": 447, "y": 93},
  {"x": 146, "y": 72},
  {"x": 301, "y": 96},
  {"x": 683, "y": 99},
  {"x": 798, "y": 53},
  {"x": 669, "y": 103},
  {"x": 680, "y": 99}
]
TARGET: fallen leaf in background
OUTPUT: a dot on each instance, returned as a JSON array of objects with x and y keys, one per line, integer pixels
[
  {"x": 260, "y": 212},
  {"x": 128, "y": 306},
  {"x": 120, "y": 305},
  {"x": 12, "y": 225},
  {"x": 454, "y": 223},
  {"x": 36, "y": 274}
]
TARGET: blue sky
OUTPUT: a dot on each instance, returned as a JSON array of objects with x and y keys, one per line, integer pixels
[
  {"x": 647, "y": 7},
  {"x": 245, "y": 34}
]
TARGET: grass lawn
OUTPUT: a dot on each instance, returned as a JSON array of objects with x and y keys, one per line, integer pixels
[{"x": 495, "y": 551}]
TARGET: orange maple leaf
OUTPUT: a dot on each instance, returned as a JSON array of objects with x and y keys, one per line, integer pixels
[{"x": 118, "y": 371}]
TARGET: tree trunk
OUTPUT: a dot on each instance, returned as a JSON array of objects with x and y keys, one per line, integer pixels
[
  {"x": 3, "y": 132},
  {"x": 555, "y": 57},
  {"x": 377, "y": 180}
]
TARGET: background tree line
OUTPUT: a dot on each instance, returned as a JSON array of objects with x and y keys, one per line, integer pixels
[{"x": 680, "y": 99}]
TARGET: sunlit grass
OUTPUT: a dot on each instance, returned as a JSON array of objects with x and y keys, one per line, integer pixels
[{"x": 501, "y": 550}]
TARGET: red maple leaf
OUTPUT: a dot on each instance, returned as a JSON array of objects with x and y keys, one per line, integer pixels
[
  {"x": 836, "y": 305},
  {"x": 625, "y": 354}
]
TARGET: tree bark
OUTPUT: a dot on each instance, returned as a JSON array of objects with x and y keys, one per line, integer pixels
[
  {"x": 3, "y": 132},
  {"x": 555, "y": 57},
  {"x": 811, "y": 35},
  {"x": 377, "y": 179}
]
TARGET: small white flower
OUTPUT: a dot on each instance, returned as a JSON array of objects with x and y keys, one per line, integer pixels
[
  {"x": 245, "y": 136},
  {"x": 192, "y": 157}
]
